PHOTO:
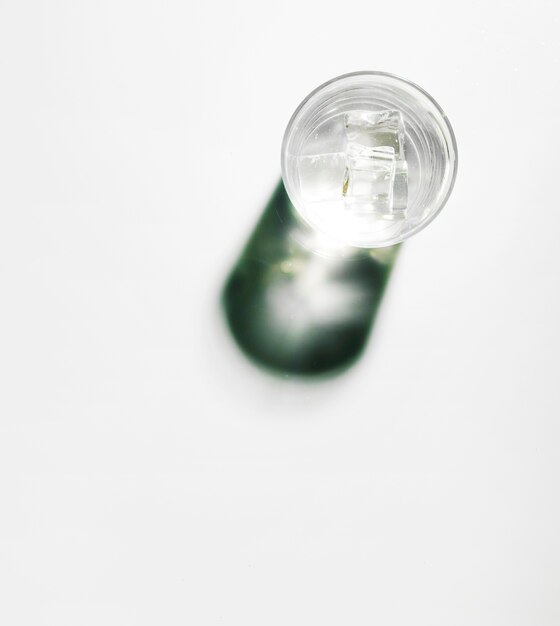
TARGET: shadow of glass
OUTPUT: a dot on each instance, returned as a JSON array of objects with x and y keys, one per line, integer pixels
[{"x": 297, "y": 306}]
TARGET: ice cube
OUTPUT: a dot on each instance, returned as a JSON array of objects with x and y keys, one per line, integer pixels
[
  {"x": 369, "y": 175},
  {"x": 400, "y": 188},
  {"x": 376, "y": 179},
  {"x": 369, "y": 178},
  {"x": 375, "y": 129},
  {"x": 321, "y": 176}
]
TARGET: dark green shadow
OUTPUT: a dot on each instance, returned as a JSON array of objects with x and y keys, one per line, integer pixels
[{"x": 298, "y": 312}]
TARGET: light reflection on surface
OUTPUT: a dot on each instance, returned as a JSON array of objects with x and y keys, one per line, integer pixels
[{"x": 298, "y": 304}]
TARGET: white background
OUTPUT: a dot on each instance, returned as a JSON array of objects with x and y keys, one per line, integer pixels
[{"x": 148, "y": 473}]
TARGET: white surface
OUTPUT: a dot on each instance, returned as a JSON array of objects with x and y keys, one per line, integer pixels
[{"x": 148, "y": 473}]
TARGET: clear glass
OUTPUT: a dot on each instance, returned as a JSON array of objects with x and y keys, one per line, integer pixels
[{"x": 403, "y": 198}]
